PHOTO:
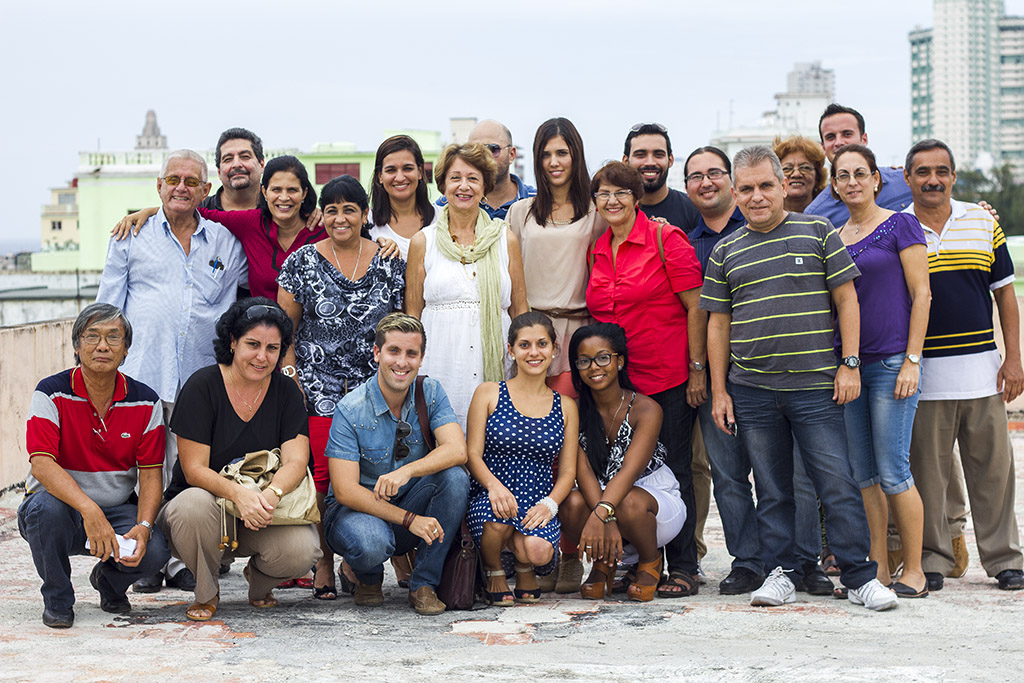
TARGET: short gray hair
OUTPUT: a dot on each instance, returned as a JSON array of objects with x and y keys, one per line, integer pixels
[
  {"x": 99, "y": 313},
  {"x": 191, "y": 156},
  {"x": 755, "y": 156}
]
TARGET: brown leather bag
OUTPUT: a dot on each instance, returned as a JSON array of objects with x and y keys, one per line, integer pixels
[{"x": 460, "y": 579}]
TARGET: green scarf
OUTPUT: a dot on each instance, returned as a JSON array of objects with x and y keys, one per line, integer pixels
[{"x": 484, "y": 251}]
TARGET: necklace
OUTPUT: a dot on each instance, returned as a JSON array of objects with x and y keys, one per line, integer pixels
[
  {"x": 856, "y": 228},
  {"x": 608, "y": 436},
  {"x": 462, "y": 251},
  {"x": 355, "y": 269},
  {"x": 238, "y": 392}
]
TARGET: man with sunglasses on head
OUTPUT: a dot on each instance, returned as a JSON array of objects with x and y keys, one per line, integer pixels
[
  {"x": 648, "y": 149},
  {"x": 508, "y": 187},
  {"x": 391, "y": 491},
  {"x": 173, "y": 280}
]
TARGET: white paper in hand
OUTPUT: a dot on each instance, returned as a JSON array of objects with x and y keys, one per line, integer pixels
[{"x": 125, "y": 545}]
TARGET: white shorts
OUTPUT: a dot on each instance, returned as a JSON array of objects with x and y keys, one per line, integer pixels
[{"x": 661, "y": 484}]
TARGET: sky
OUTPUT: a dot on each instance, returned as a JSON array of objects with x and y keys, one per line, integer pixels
[{"x": 81, "y": 76}]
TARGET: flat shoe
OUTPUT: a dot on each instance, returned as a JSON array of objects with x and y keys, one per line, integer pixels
[
  {"x": 197, "y": 611},
  {"x": 184, "y": 580},
  {"x": 109, "y": 600},
  {"x": 902, "y": 590},
  {"x": 687, "y": 584},
  {"x": 149, "y": 584}
]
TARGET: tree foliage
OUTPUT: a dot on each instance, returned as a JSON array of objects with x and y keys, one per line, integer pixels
[{"x": 1000, "y": 188}]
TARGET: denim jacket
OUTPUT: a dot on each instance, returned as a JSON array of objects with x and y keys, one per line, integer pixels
[{"x": 363, "y": 429}]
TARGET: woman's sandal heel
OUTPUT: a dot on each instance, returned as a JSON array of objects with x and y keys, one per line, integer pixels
[
  {"x": 645, "y": 593},
  {"x": 527, "y": 596},
  {"x": 598, "y": 589},
  {"x": 503, "y": 598}
]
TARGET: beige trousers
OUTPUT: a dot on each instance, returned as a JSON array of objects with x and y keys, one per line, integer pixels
[
  {"x": 191, "y": 522},
  {"x": 980, "y": 429}
]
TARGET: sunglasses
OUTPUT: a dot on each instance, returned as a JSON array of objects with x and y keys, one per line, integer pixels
[
  {"x": 495, "y": 149},
  {"x": 638, "y": 126},
  {"x": 401, "y": 448},
  {"x": 259, "y": 311},
  {"x": 174, "y": 180}
]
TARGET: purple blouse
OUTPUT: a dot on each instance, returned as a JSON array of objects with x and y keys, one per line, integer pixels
[{"x": 882, "y": 289}]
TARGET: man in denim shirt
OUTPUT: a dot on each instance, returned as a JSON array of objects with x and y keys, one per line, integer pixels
[{"x": 388, "y": 494}]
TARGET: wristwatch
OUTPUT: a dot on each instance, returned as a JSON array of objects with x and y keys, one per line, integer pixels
[
  {"x": 698, "y": 366},
  {"x": 149, "y": 527},
  {"x": 914, "y": 358},
  {"x": 279, "y": 492},
  {"x": 851, "y": 362},
  {"x": 288, "y": 370}
]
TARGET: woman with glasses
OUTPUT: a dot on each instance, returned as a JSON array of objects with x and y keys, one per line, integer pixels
[
  {"x": 398, "y": 193},
  {"x": 803, "y": 164},
  {"x": 335, "y": 292},
  {"x": 645, "y": 277},
  {"x": 894, "y": 295},
  {"x": 517, "y": 429},
  {"x": 239, "y": 406},
  {"x": 627, "y": 502},
  {"x": 465, "y": 279}
]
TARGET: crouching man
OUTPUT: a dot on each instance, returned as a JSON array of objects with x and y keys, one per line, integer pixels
[
  {"x": 93, "y": 433},
  {"x": 389, "y": 493}
]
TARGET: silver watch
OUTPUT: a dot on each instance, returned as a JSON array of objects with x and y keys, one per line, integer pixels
[
  {"x": 914, "y": 358},
  {"x": 149, "y": 527},
  {"x": 697, "y": 365}
]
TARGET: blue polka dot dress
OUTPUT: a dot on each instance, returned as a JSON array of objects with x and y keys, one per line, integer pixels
[{"x": 520, "y": 451}]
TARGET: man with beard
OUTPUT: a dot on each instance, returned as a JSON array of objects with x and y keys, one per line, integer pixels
[
  {"x": 964, "y": 382},
  {"x": 239, "y": 159},
  {"x": 649, "y": 150},
  {"x": 508, "y": 187}
]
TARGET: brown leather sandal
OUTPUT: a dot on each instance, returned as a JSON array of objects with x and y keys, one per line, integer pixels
[
  {"x": 596, "y": 590},
  {"x": 641, "y": 593}
]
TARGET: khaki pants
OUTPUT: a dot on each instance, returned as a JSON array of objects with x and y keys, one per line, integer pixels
[
  {"x": 980, "y": 429},
  {"x": 701, "y": 487},
  {"x": 191, "y": 522}
]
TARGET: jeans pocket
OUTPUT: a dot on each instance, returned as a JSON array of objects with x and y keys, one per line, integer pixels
[{"x": 894, "y": 362}]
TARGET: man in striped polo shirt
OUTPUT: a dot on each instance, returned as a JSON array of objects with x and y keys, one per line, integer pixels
[
  {"x": 964, "y": 382},
  {"x": 93, "y": 433},
  {"x": 769, "y": 288}
]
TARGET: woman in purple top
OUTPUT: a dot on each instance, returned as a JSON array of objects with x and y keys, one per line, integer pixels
[{"x": 889, "y": 249}]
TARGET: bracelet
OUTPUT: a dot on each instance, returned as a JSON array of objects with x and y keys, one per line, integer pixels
[
  {"x": 609, "y": 519},
  {"x": 550, "y": 504},
  {"x": 408, "y": 519},
  {"x": 607, "y": 506}
]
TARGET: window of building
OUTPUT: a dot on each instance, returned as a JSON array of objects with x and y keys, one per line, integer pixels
[
  {"x": 55, "y": 226},
  {"x": 428, "y": 171},
  {"x": 324, "y": 172},
  {"x": 66, "y": 198}
]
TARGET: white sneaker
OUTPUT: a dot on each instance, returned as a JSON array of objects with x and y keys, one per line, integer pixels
[
  {"x": 874, "y": 596},
  {"x": 776, "y": 590}
]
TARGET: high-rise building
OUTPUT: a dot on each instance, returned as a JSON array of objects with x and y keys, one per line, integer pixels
[{"x": 967, "y": 82}]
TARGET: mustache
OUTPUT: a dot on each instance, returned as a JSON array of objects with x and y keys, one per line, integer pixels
[
  {"x": 641, "y": 169},
  {"x": 937, "y": 187}
]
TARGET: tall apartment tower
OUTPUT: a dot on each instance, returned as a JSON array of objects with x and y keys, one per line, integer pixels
[{"x": 967, "y": 82}]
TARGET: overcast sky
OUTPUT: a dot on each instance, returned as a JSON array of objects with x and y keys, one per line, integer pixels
[{"x": 80, "y": 76}]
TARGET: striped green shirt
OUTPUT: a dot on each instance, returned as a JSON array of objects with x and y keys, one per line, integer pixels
[{"x": 776, "y": 287}]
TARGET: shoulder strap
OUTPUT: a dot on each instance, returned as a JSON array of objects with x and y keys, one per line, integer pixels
[
  {"x": 421, "y": 413},
  {"x": 661, "y": 245}
]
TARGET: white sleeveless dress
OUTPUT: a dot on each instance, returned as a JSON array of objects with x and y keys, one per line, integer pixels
[{"x": 451, "y": 318}]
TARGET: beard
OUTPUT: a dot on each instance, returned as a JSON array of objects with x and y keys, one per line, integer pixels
[{"x": 658, "y": 182}]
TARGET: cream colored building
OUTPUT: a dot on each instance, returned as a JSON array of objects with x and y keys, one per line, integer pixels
[{"x": 59, "y": 219}]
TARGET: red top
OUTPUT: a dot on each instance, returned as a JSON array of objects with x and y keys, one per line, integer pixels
[
  {"x": 259, "y": 240},
  {"x": 640, "y": 294}
]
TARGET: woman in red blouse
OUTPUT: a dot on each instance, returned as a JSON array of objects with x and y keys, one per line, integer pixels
[{"x": 645, "y": 277}]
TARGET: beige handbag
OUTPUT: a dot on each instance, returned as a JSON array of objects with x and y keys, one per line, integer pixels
[{"x": 255, "y": 471}]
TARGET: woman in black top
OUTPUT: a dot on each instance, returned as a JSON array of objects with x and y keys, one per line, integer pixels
[{"x": 238, "y": 406}]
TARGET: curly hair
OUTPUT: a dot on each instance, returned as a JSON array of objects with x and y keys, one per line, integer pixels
[{"x": 242, "y": 316}]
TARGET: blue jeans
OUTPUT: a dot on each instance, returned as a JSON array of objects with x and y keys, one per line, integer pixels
[
  {"x": 807, "y": 537},
  {"x": 769, "y": 423},
  {"x": 676, "y": 428},
  {"x": 55, "y": 531},
  {"x": 730, "y": 473},
  {"x": 366, "y": 542},
  {"x": 878, "y": 429}
]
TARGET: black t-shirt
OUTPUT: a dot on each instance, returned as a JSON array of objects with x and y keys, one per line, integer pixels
[
  {"x": 676, "y": 208},
  {"x": 203, "y": 413}
]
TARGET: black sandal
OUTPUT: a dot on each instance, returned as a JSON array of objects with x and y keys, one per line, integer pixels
[
  {"x": 325, "y": 593},
  {"x": 685, "y": 582}
]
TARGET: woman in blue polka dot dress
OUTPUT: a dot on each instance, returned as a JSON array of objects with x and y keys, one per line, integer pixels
[{"x": 516, "y": 429}]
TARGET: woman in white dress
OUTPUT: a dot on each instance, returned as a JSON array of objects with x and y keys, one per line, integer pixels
[
  {"x": 464, "y": 279},
  {"x": 399, "y": 204}
]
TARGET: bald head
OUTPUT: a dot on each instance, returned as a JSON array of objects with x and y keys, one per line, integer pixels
[{"x": 496, "y": 136}]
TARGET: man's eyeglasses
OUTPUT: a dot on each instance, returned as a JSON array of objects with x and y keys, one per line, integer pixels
[
  {"x": 802, "y": 169},
  {"x": 495, "y": 149},
  {"x": 621, "y": 195},
  {"x": 259, "y": 311},
  {"x": 601, "y": 360},
  {"x": 713, "y": 174},
  {"x": 637, "y": 127},
  {"x": 113, "y": 340},
  {"x": 401, "y": 448},
  {"x": 859, "y": 174},
  {"x": 174, "y": 180}
]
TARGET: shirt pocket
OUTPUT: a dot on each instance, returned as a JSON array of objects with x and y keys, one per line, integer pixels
[{"x": 211, "y": 286}]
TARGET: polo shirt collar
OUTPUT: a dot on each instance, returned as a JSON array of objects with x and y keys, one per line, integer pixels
[
  {"x": 957, "y": 211},
  {"x": 78, "y": 385},
  {"x": 702, "y": 228}
]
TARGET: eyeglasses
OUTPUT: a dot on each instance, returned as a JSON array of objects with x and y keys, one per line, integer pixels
[
  {"x": 113, "y": 340},
  {"x": 637, "y": 127},
  {"x": 495, "y": 149},
  {"x": 602, "y": 360},
  {"x": 713, "y": 174},
  {"x": 258, "y": 311},
  {"x": 859, "y": 174},
  {"x": 802, "y": 169},
  {"x": 620, "y": 195},
  {"x": 401, "y": 448},
  {"x": 175, "y": 180}
]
